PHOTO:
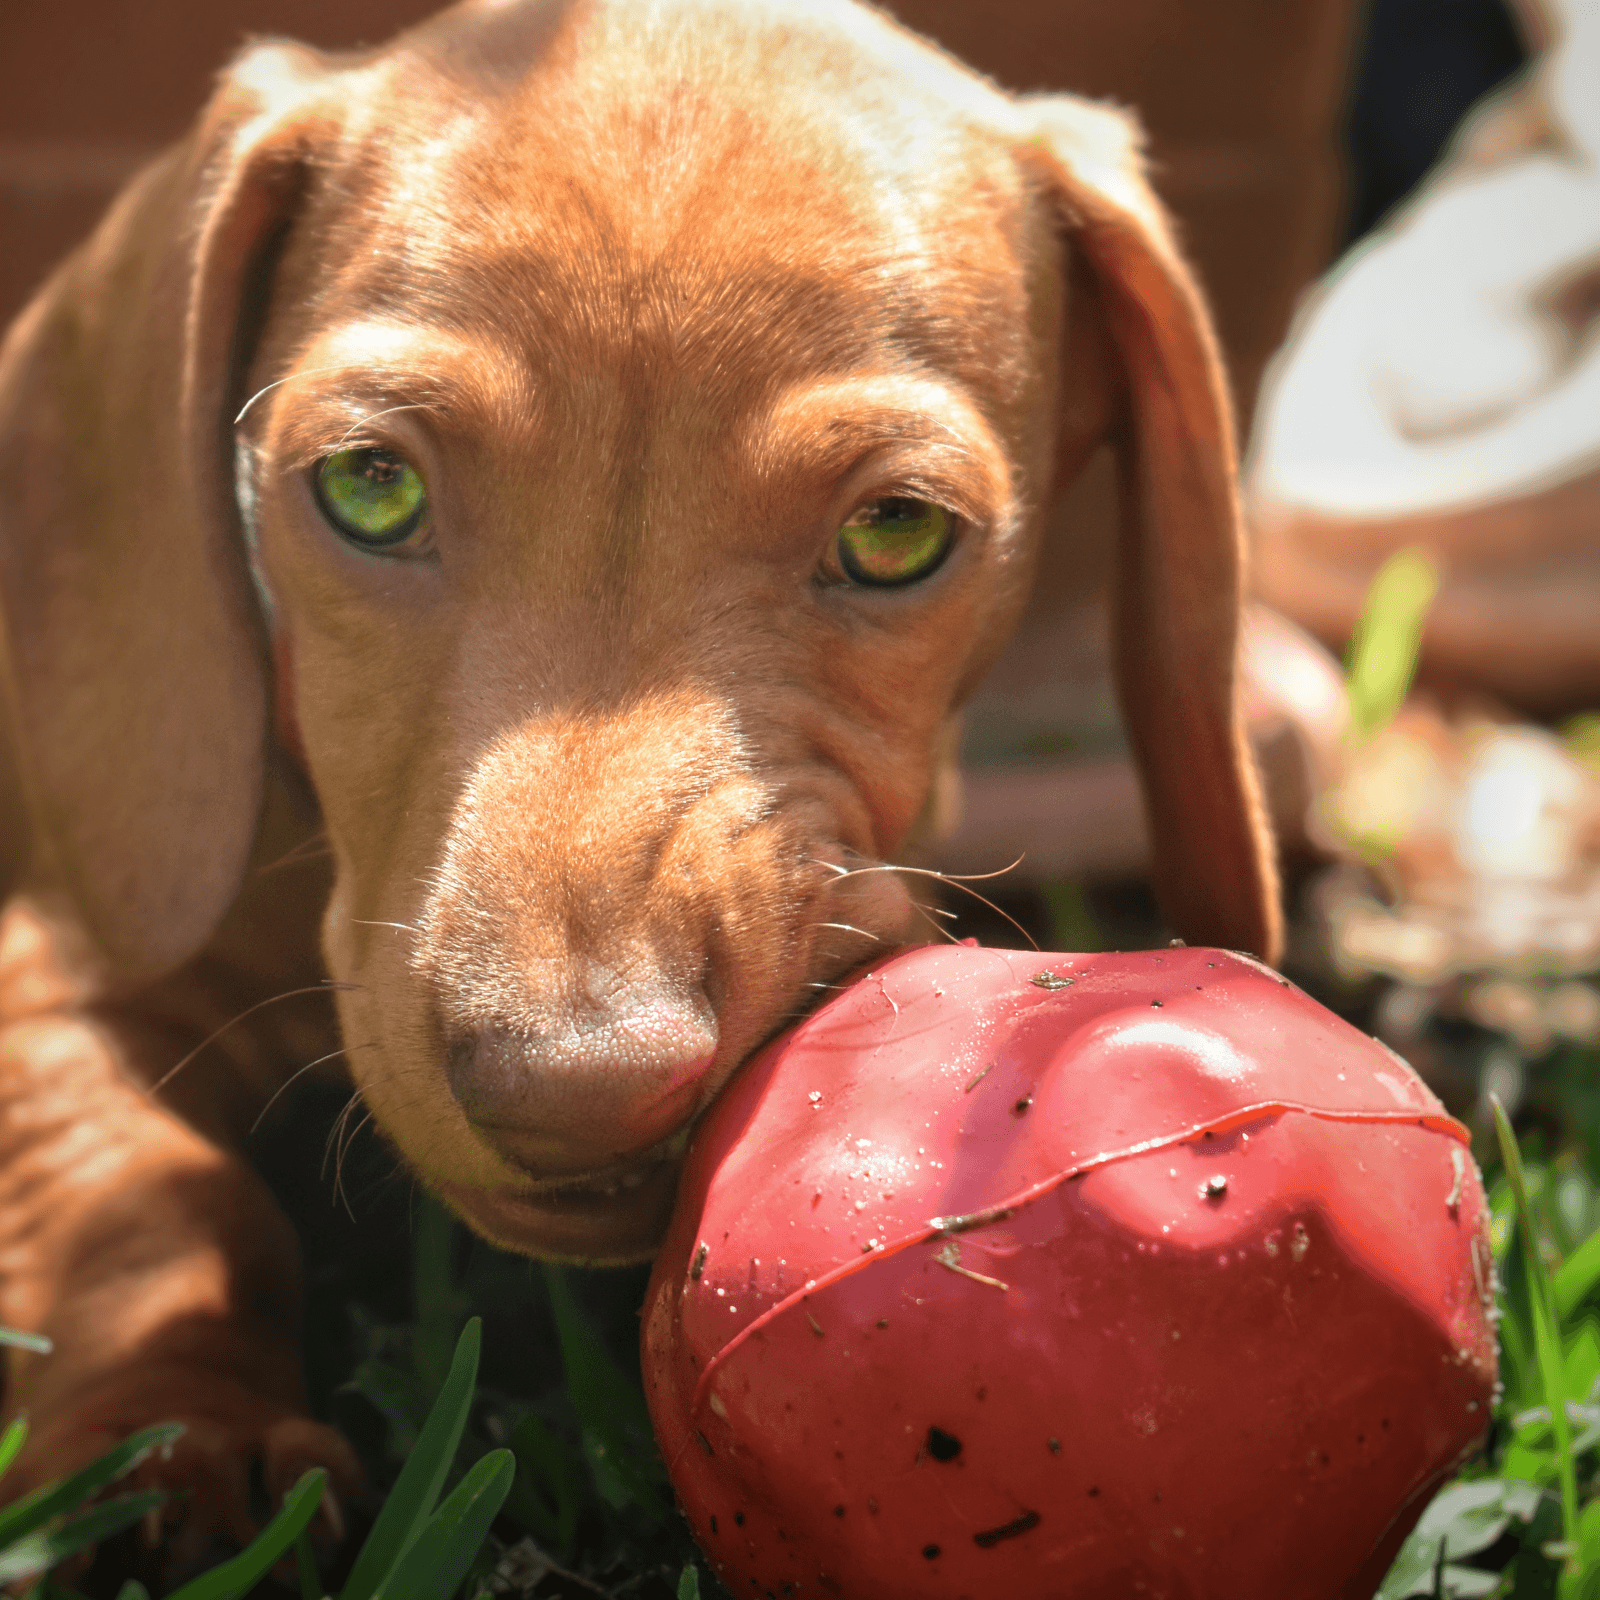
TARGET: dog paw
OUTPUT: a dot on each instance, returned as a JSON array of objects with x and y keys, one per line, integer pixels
[{"x": 238, "y": 1452}]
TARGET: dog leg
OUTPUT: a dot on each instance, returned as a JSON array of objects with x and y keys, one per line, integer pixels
[{"x": 157, "y": 1263}]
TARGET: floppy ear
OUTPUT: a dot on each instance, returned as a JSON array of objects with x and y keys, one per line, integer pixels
[
  {"x": 1133, "y": 307},
  {"x": 131, "y": 650}
]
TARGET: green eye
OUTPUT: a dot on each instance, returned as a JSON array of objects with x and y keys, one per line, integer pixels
[
  {"x": 895, "y": 540},
  {"x": 373, "y": 497}
]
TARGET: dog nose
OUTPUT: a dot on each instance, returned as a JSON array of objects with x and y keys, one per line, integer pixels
[{"x": 569, "y": 1095}]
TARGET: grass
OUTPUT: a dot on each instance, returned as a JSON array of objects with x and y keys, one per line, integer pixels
[{"x": 1523, "y": 1521}]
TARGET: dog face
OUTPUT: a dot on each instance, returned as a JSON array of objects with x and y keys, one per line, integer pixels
[
  {"x": 643, "y": 448},
  {"x": 602, "y": 734}
]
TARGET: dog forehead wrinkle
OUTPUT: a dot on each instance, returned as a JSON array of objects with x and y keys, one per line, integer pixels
[{"x": 624, "y": 223}]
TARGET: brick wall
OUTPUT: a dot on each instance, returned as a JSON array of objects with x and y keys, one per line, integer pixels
[
  {"x": 1241, "y": 97},
  {"x": 91, "y": 90}
]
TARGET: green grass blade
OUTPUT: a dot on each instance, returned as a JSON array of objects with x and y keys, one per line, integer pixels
[
  {"x": 1577, "y": 1276},
  {"x": 1072, "y": 924},
  {"x": 608, "y": 1404},
  {"x": 689, "y": 1584},
  {"x": 416, "y": 1491},
  {"x": 1382, "y": 658},
  {"x": 12, "y": 1441},
  {"x": 56, "y": 1499},
  {"x": 239, "y": 1576},
  {"x": 18, "y": 1340},
  {"x": 42, "y": 1549},
  {"x": 1546, "y": 1334},
  {"x": 547, "y": 1497},
  {"x": 440, "y": 1309},
  {"x": 133, "y": 1590},
  {"x": 439, "y": 1559},
  {"x": 305, "y": 1562}
]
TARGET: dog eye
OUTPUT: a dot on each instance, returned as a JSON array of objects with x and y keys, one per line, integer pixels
[
  {"x": 373, "y": 497},
  {"x": 895, "y": 540}
]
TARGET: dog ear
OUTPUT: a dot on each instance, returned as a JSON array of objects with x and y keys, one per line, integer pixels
[
  {"x": 131, "y": 649},
  {"x": 1141, "y": 368}
]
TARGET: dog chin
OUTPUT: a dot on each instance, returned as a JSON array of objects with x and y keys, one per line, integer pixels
[{"x": 604, "y": 1219}]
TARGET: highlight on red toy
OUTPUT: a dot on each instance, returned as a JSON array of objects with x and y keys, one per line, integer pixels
[{"x": 1083, "y": 1276}]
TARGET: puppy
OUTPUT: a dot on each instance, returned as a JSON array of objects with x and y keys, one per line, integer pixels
[{"x": 497, "y": 530}]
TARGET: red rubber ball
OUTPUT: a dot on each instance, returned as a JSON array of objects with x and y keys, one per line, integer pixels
[{"x": 1070, "y": 1276}]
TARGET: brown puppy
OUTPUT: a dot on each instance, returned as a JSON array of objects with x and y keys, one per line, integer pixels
[{"x": 577, "y": 459}]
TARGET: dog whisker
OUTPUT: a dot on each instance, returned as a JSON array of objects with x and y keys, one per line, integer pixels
[
  {"x": 338, "y": 1166},
  {"x": 373, "y": 417},
  {"x": 326, "y": 987},
  {"x": 305, "y": 372},
  {"x": 311, "y": 849},
  {"x": 344, "y": 1050},
  {"x": 925, "y": 913},
  {"x": 845, "y": 927},
  {"x": 338, "y": 1123},
  {"x": 341, "y": 1136},
  {"x": 961, "y": 881},
  {"x": 923, "y": 872}
]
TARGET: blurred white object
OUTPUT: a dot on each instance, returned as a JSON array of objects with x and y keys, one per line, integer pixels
[
  {"x": 1524, "y": 802},
  {"x": 1441, "y": 364},
  {"x": 1486, "y": 837},
  {"x": 1442, "y": 388}
]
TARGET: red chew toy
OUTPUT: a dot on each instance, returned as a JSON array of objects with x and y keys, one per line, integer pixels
[{"x": 1010, "y": 1275}]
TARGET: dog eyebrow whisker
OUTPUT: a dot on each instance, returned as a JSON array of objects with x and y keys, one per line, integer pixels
[
  {"x": 373, "y": 416},
  {"x": 404, "y": 927},
  {"x": 267, "y": 388}
]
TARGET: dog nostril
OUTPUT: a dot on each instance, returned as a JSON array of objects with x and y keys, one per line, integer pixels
[
  {"x": 477, "y": 1067},
  {"x": 562, "y": 1099}
]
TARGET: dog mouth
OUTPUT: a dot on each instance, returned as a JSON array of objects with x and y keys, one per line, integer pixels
[
  {"x": 614, "y": 1213},
  {"x": 608, "y": 1216}
]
